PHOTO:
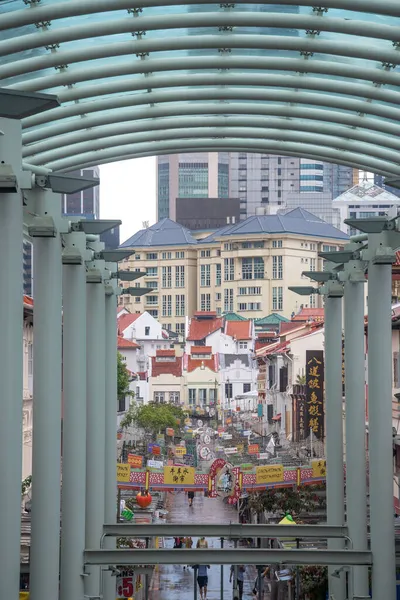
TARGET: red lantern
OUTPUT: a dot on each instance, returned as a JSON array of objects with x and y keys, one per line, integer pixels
[{"x": 144, "y": 499}]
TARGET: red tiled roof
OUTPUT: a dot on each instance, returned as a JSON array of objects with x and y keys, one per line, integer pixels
[
  {"x": 290, "y": 326},
  {"x": 193, "y": 362},
  {"x": 200, "y": 329},
  {"x": 275, "y": 348},
  {"x": 397, "y": 263},
  {"x": 165, "y": 352},
  {"x": 168, "y": 367},
  {"x": 123, "y": 343},
  {"x": 309, "y": 314},
  {"x": 261, "y": 344},
  {"x": 142, "y": 375},
  {"x": 205, "y": 313},
  {"x": 241, "y": 330},
  {"x": 28, "y": 301},
  {"x": 125, "y": 320},
  {"x": 201, "y": 350}
]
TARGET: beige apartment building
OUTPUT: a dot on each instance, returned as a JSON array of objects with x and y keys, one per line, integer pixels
[{"x": 244, "y": 268}]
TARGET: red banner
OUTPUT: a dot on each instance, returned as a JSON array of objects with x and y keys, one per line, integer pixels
[
  {"x": 135, "y": 461},
  {"x": 253, "y": 449}
]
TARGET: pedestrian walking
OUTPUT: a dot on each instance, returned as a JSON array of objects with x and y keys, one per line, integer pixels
[
  {"x": 188, "y": 546},
  {"x": 202, "y": 542},
  {"x": 190, "y": 497},
  {"x": 178, "y": 542},
  {"x": 241, "y": 569},
  {"x": 202, "y": 579}
]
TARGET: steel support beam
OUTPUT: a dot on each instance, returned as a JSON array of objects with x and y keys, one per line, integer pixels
[
  {"x": 380, "y": 418},
  {"x": 11, "y": 366},
  {"x": 207, "y": 63},
  {"x": 73, "y": 8},
  {"x": 264, "y": 146},
  {"x": 95, "y": 411},
  {"x": 220, "y": 93},
  {"x": 227, "y": 556},
  {"x": 237, "y": 18},
  {"x": 232, "y": 530},
  {"x": 356, "y": 463},
  {"x": 47, "y": 358},
  {"x": 55, "y": 158},
  {"x": 359, "y": 50},
  {"x": 334, "y": 429},
  {"x": 74, "y": 420}
]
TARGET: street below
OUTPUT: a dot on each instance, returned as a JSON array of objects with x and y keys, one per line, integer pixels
[{"x": 173, "y": 582}]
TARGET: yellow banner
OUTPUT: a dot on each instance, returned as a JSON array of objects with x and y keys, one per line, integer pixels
[
  {"x": 240, "y": 447},
  {"x": 174, "y": 475},
  {"x": 269, "y": 474},
  {"x": 180, "y": 451},
  {"x": 318, "y": 468},
  {"x": 123, "y": 472},
  {"x": 24, "y": 596}
]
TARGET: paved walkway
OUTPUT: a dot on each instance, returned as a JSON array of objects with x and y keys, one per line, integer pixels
[{"x": 173, "y": 582}]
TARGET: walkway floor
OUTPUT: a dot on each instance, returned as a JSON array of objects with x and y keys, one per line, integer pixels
[{"x": 173, "y": 582}]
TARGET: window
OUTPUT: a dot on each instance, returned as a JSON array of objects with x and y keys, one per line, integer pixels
[
  {"x": 313, "y": 264},
  {"x": 152, "y": 284},
  {"x": 151, "y": 272},
  {"x": 218, "y": 274},
  {"x": 246, "y": 388},
  {"x": 180, "y": 305},
  {"x": 179, "y": 254},
  {"x": 153, "y": 313},
  {"x": 205, "y": 302},
  {"x": 180, "y": 328},
  {"x": 247, "y": 244},
  {"x": 228, "y": 300},
  {"x": 151, "y": 256},
  {"x": 228, "y": 391},
  {"x": 218, "y": 297},
  {"x": 203, "y": 396},
  {"x": 147, "y": 331},
  {"x": 121, "y": 404},
  {"x": 167, "y": 255},
  {"x": 313, "y": 247},
  {"x": 243, "y": 345},
  {"x": 205, "y": 253},
  {"x": 167, "y": 306},
  {"x": 159, "y": 397},
  {"x": 229, "y": 269},
  {"x": 277, "y": 243},
  {"x": 227, "y": 246},
  {"x": 277, "y": 298},
  {"x": 137, "y": 256},
  {"x": 151, "y": 300},
  {"x": 166, "y": 279},
  {"x": 137, "y": 300},
  {"x": 326, "y": 248},
  {"x": 247, "y": 268},
  {"x": 192, "y": 396},
  {"x": 253, "y": 268},
  {"x": 205, "y": 275},
  {"x": 312, "y": 301},
  {"x": 249, "y": 306},
  {"x": 180, "y": 276},
  {"x": 212, "y": 395},
  {"x": 277, "y": 267},
  {"x": 174, "y": 398},
  {"x": 250, "y": 291},
  {"x": 258, "y": 244}
]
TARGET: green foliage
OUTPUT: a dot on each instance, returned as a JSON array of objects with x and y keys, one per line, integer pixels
[
  {"x": 153, "y": 417},
  {"x": 123, "y": 376},
  {"x": 314, "y": 580},
  {"x": 26, "y": 484},
  {"x": 280, "y": 500},
  {"x": 301, "y": 380}
]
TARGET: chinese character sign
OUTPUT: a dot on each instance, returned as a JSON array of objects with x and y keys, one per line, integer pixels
[
  {"x": 315, "y": 392},
  {"x": 318, "y": 468},
  {"x": 178, "y": 475},
  {"x": 123, "y": 472},
  {"x": 269, "y": 474}
]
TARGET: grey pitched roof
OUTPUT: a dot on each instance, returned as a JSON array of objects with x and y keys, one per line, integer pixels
[
  {"x": 164, "y": 233},
  {"x": 297, "y": 221},
  {"x": 226, "y": 360}
]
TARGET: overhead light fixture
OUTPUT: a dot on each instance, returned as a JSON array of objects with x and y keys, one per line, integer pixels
[
  {"x": 42, "y": 227},
  {"x": 64, "y": 183},
  {"x": 96, "y": 226},
  {"x": 136, "y": 291},
  {"x": 303, "y": 290},
  {"x": 372, "y": 225},
  {"x": 71, "y": 256},
  {"x": 18, "y": 105},
  {"x": 319, "y": 276},
  {"x": 128, "y": 275},
  {"x": 341, "y": 256},
  {"x": 114, "y": 255},
  {"x": 8, "y": 180}
]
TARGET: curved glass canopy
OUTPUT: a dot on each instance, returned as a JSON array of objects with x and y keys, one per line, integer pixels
[{"x": 147, "y": 77}]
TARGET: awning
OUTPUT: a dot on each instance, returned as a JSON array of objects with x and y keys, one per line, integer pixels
[{"x": 277, "y": 417}]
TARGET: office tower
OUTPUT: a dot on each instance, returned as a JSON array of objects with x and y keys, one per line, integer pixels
[
  {"x": 195, "y": 175},
  {"x": 379, "y": 181},
  {"x": 85, "y": 203}
]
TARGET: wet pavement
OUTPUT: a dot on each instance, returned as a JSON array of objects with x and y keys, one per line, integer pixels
[{"x": 173, "y": 582}]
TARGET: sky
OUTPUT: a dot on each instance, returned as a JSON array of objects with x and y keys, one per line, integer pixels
[{"x": 128, "y": 193}]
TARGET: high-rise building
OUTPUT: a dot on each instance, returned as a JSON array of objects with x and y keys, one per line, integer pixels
[
  {"x": 85, "y": 203},
  {"x": 379, "y": 181},
  {"x": 262, "y": 182}
]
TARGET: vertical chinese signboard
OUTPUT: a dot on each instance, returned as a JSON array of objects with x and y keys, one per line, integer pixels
[
  {"x": 302, "y": 419},
  {"x": 315, "y": 392}
]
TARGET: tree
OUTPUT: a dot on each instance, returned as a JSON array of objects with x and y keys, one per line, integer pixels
[
  {"x": 153, "y": 417},
  {"x": 301, "y": 380},
  {"x": 123, "y": 377}
]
